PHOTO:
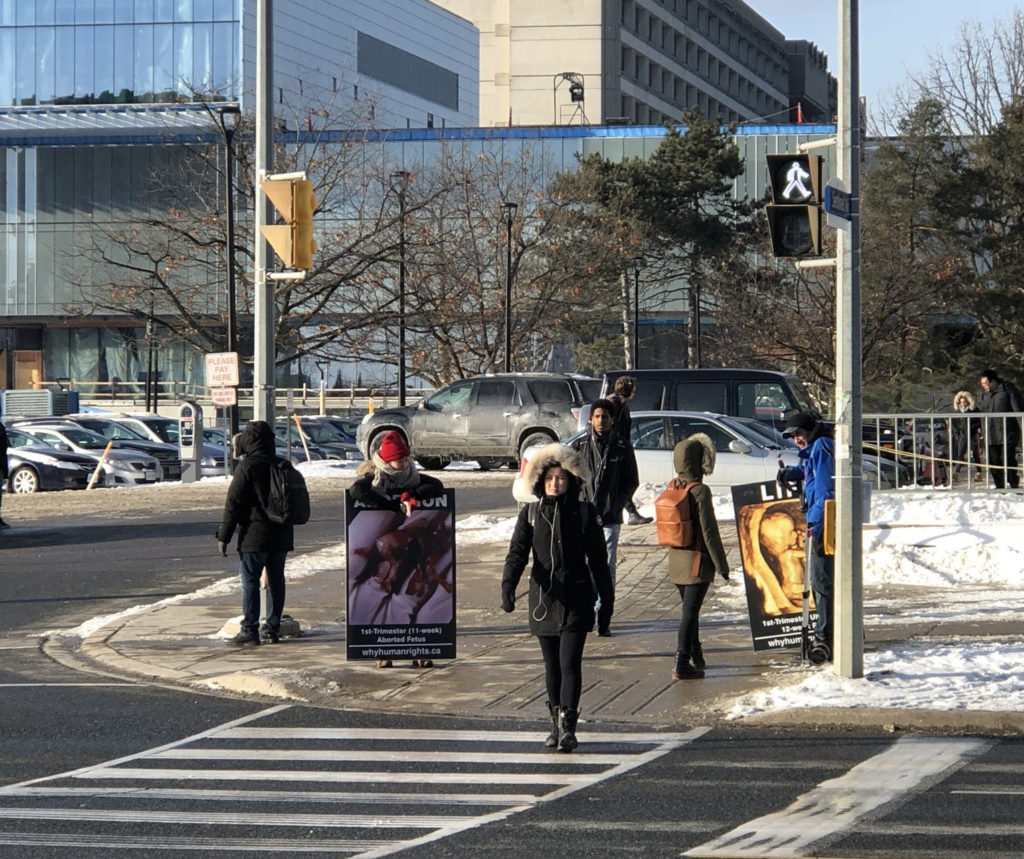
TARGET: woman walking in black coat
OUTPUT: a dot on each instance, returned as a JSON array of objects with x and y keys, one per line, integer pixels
[{"x": 564, "y": 537}]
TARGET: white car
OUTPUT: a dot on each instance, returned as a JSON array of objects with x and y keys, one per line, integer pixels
[
  {"x": 742, "y": 455},
  {"x": 121, "y": 468}
]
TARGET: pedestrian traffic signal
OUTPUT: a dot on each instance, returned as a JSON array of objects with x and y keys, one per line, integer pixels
[
  {"x": 293, "y": 240},
  {"x": 794, "y": 213}
]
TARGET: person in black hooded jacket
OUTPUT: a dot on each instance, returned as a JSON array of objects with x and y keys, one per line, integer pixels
[
  {"x": 563, "y": 535},
  {"x": 261, "y": 543}
]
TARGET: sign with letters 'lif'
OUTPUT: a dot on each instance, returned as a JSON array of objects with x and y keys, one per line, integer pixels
[{"x": 771, "y": 530}]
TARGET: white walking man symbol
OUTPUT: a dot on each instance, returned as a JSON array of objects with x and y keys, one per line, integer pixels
[{"x": 795, "y": 187}]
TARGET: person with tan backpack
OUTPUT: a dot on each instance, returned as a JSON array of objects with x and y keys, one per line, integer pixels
[{"x": 692, "y": 568}]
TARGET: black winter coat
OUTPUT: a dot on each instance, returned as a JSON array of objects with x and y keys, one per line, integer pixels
[
  {"x": 568, "y": 560},
  {"x": 243, "y": 509},
  {"x": 1003, "y": 397},
  {"x": 363, "y": 491},
  {"x": 613, "y": 474}
]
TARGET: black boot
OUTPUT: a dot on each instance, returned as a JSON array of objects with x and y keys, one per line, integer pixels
[
  {"x": 684, "y": 670},
  {"x": 552, "y": 738},
  {"x": 567, "y": 729},
  {"x": 698, "y": 657}
]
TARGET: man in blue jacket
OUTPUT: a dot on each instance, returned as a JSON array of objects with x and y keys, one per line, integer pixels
[{"x": 817, "y": 456}]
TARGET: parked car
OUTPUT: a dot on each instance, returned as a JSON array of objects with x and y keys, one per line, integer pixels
[
  {"x": 742, "y": 456},
  {"x": 322, "y": 434},
  {"x": 33, "y": 466},
  {"x": 490, "y": 419},
  {"x": 348, "y": 427},
  {"x": 212, "y": 462},
  {"x": 121, "y": 467},
  {"x": 219, "y": 437},
  {"x": 127, "y": 438},
  {"x": 741, "y": 392}
]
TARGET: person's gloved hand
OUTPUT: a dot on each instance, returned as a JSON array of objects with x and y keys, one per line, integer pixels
[
  {"x": 724, "y": 574},
  {"x": 223, "y": 547},
  {"x": 508, "y": 597},
  {"x": 604, "y": 615}
]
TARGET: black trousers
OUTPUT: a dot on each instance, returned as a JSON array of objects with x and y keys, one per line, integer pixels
[{"x": 563, "y": 667}]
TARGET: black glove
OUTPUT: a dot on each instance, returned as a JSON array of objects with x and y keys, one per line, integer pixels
[
  {"x": 724, "y": 574},
  {"x": 223, "y": 547},
  {"x": 604, "y": 615},
  {"x": 508, "y": 597}
]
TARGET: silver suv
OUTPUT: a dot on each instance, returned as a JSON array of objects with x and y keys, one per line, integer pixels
[{"x": 488, "y": 419}]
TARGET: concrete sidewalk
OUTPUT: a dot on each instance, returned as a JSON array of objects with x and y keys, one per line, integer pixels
[{"x": 498, "y": 672}]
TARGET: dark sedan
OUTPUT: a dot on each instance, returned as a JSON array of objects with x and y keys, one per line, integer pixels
[{"x": 36, "y": 467}]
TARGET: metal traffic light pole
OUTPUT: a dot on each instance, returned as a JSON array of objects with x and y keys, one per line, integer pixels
[
  {"x": 264, "y": 357},
  {"x": 848, "y": 585}
]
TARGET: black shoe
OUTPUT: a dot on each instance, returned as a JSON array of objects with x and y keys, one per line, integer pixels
[
  {"x": 819, "y": 652},
  {"x": 244, "y": 639},
  {"x": 604, "y": 632},
  {"x": 698, "y": 659},
  {"x": 637, "y": 519},
  {"x": 684, "y": 670},
  {"x": 269, "y": 636}
]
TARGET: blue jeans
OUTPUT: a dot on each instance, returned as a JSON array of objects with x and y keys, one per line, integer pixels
[
  {"x": 611, "y": 542},
  {"x": 821, "y": 578},
  {"x": 250, "y": 568}
]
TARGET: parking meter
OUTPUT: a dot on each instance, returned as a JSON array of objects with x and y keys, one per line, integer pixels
[{"x": 190, "y": 440}]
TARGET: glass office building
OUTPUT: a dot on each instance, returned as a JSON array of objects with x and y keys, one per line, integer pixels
[
  {"x": 97, "y": 97},
  {"x": 56, "y": 52}
]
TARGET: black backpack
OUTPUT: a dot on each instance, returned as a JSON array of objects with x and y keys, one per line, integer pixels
[{"x": 288, "y": 498}]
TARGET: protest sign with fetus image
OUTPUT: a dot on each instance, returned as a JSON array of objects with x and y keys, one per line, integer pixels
[
  {"x": 401, "y": 580},
  {"x": 771, "y": 529}
]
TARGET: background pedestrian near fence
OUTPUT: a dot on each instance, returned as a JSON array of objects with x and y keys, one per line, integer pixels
[{"x": 1002, "y": 435}]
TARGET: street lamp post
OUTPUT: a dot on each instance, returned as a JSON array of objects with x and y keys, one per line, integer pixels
[
  {"x": 510, "y": 214},
  {"x": 229, "y": 116},
  {"x": 399, "y": 184},
  {"x": 637, "y": 265}
]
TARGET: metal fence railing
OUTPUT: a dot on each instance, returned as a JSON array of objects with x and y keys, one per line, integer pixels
[{"x": 970, "y": 451}]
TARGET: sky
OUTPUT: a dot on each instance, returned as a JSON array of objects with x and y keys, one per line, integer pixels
[
  {"x": 962, "y": 550},
  {"x": 896, "y": 36}
]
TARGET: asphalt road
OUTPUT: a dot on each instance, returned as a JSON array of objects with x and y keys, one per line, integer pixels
[{"x": 121, "y": 769}]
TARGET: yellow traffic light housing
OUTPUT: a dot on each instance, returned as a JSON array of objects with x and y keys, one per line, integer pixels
[
  {"x": 794, "y": 213},
  {"x": 293, "y": 241}
]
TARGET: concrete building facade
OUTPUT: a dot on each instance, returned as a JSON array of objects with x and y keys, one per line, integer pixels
[{"x": 641, "y": 62}]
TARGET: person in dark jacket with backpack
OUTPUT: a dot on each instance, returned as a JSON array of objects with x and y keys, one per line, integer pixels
[
  {"x": 261, "y": 543},
  {"x": 563, "y": 535},
  {"x": 693, "y": 458}
]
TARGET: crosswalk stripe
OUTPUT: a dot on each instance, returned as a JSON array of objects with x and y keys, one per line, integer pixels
[
  {"x": 392, "y": 735},
  {"x": 540, "y": 758},
  {"x": 276, "y": 796},
  {"x": 355, "y": 777},
  {"x": 257, "y": 845},
  {"x": 328, "y": 821},
  {"x": 836, "y": 804}
]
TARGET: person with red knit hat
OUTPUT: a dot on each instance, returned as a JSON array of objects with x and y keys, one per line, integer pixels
[{"x": 391, "y": 481}]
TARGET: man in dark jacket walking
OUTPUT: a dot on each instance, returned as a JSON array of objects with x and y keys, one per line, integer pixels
[
  {"x": 261, "y": 543},
  {"x": 998, "y": 395},
  {"x": 611, "y": 483},
  {"x": 625, "y": 390}
]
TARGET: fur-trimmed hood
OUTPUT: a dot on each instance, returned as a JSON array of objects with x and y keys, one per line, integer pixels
[
  {"x": 694, "y": 457},
  {"x": 967, "y": 397},
  {"x": 553, "y": 454}
]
